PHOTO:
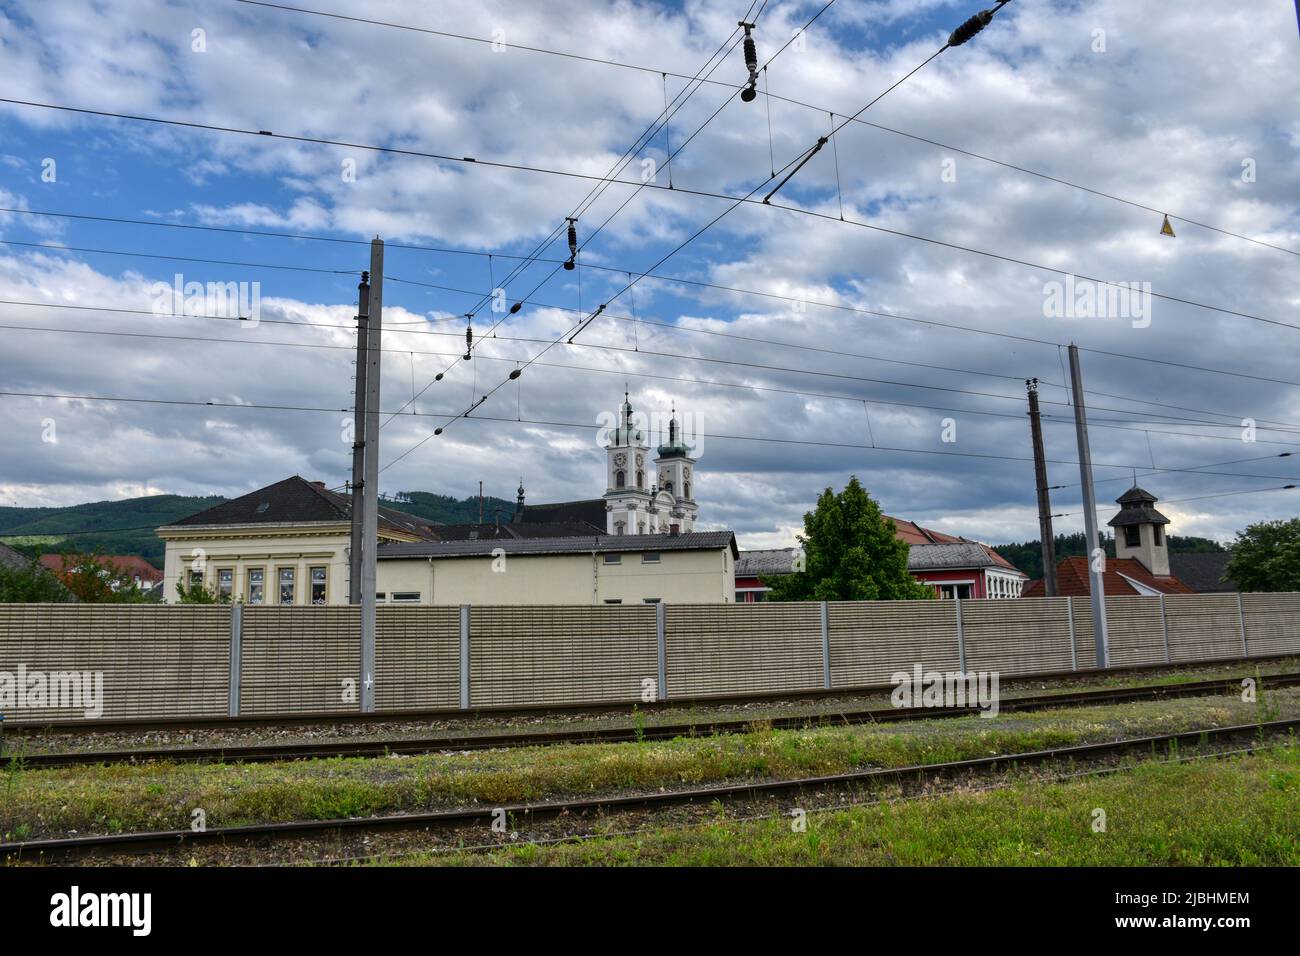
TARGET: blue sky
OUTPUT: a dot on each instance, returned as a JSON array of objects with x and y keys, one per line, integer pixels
[{"x": 1167, "y": 114}]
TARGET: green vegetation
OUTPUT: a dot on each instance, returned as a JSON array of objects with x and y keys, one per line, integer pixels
[
  {"x": 852, "y": 553},
  {"x": 30, "y": 584},
  {"x": 447, "y": 510},
  {"x": 1266, "y": 557},
  {"x": 1157, "y": 814},
  {"x": 160, "y": 796}
]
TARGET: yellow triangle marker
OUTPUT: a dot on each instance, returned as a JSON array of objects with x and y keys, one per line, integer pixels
[{"x": 1166, "y": 229}]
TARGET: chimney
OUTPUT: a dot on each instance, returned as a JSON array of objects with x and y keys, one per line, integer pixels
[{"x": 318, "y": 485}]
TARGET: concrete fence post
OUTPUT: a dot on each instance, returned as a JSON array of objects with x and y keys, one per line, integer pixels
[
  {"x": 464, "y": 657},
  {"x": 826, "y": 648},
  {"x": 961, "y": 637},
  {"x": 1164, "y": 627},
  {"x": 661, "y": 650},
  {"x": 1241, "y": 617},
  {"x": 1074, "y": 647},
  {"x": 236, "y": 655}
]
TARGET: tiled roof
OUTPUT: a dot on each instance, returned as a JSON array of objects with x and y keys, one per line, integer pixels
[
  {"x": 296, "y": 500},
  {"x": 604, "y": 543},
  {"x": 13, "y": 559},
  {"x": 912, "y": 533},
  {"x": 752, "y": 564},
  {"x": 1203, "y": 572},
  {"x": 1072, "y": 579},
  {"x": 943, "y": 557},
  {"x": 128, "y": 564}
]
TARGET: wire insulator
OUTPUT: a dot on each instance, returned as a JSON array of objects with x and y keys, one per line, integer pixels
[
  {"x": 515, "y": 373},
  {"x": 751, "y": 63},
  {"x": 971, "y": 27},
  {"x": 516, "y": 307},
  {"x": 469, "y": 340},
  {"x": 573, "y": 244}
]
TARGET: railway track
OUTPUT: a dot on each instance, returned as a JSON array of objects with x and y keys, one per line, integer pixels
[
  {"x": 349, "y": 718},
  {"x": 263, "y": 753},
  {"x": 56, "y": 850}
]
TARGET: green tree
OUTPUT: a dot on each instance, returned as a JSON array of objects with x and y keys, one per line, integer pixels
[
  {"x": 1266, "y": 557},
  {"x": 30, "y": 584},
  {"x": 194, "y": 593},
  {"x": 851, "y": 554}
]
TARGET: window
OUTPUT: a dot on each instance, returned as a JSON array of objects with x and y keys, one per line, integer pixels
[
  {"x": 286, "y": 585},
  {"x": 614, "y": 558},
  {"x": 1132, "y": 536},
  {"x": 196, "y": 577},
  {"x": 620, "y": 479},
  {"x": 225, "y": 584},
  {"x": 640, "y": 479},
  {"x": 1159, "y": 534},
  {"x": 650, "y": 557},
  {"x": 380, "y": 596},
  {"x": 619, "y": 527},
  {"x": 406, "y": 597},
  {"x": 950, "y": 591},
  {"x": 256, "y": 586},
  {"x": 686, "y": 489},
  {"x": 319, "y": 577},
  {"x": 613, "y": 600},
  {"x": 668, "y": 487},
  {"x": 649, "y": 600}
]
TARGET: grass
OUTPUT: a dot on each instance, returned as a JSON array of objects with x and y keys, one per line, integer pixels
[
  {"x": 1242, "y": 811},
  {"x": 128, "y": 797}
]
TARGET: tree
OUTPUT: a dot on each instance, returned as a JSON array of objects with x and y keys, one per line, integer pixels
[
  {"x": 851, "y": 554},
  {"x": 1266, "y": 557},
  {"x": 30, "y": 584},
  {"x": 194, "y": 593},
  {"x": 93, "y": 579}
]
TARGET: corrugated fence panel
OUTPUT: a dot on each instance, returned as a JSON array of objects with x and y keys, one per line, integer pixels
[
  {"x": 1134, "y": 627},
  {"x": 721, "y": 649},
  {"x": 1024, "y": 636},
  {"x": 520, "y": 656},
  {"x": 417, "y": 658},
  {"x": 1272, "y": 623},
  {"x": 872, "y": 640},
  {"x": 297, "y": 660},
  {"x": 1203, "y": 626},
  {"x": 1083, "y": 641},
  {"x": 155, "y": 661}
]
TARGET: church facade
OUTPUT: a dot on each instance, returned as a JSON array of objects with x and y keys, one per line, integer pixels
[{"x": 638, "y": 501}]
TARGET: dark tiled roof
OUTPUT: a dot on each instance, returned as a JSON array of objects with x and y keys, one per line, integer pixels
[
  {"x": 1072, "y": 579},
  {"x": 13, "y": 559},
  {"x": 128, "y": 564},
  {"x": 296, "y": 500},
  {"x": 1136, "y": 508},
  {"x": 1203, "y": 572},
  {"x": 604, "y": 543},
  {"x": 945, "y": 557},
  {"x": 752, "y": 564},
  {"x": 589, "y": 511}
]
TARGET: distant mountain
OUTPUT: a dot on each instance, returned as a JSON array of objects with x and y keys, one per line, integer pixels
[{"x": 127, "y": 526}]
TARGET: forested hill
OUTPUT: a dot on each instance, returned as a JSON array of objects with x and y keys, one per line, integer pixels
[{"x": 1028, "y": 555}]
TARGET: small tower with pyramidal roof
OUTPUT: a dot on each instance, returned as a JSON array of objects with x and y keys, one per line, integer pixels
[{"x": 1140, "y": 531}]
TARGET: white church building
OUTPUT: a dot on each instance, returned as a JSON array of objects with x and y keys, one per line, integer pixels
[{"x": 635, "y": 504}]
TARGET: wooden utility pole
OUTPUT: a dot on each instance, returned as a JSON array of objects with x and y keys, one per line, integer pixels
[
  {"x": 1096, "y": 556},
  {"x": 359, "y": 439},
  {"x": 1045, "y": 534},
  {"x": 370, "y": 485}
]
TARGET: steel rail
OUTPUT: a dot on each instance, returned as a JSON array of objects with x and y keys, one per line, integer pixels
[{"x": 49, "y": 850}]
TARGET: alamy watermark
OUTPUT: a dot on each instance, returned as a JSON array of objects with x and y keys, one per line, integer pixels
[
  {"x": 221, "y": 300},
  {"x": 946, "y": 689},
  {"x": 65, "y": 690},
  {"x": 1087, "y": 299}
]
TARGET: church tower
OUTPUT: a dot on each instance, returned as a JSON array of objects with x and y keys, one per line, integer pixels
[
  {"x": 1140, "y": 531},
  {"x": 676, "y": 481},
  {"x": 628, "y": 495}
]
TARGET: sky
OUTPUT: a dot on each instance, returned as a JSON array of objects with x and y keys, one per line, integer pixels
[{"x": 796, "y": 348}]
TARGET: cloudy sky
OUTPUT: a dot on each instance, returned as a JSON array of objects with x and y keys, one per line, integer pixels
[{"x": 798, "y": 348}]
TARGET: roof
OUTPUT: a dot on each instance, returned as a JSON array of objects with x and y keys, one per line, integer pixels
[
  {"x": 130, "y": 565},
  {"x": 603, "y": 543},
  {"x": 912, "y": 533},
  {"x": 1072, "y": 579},
  {"x": 1203, "y": 571},
  {"x": 752, "y": 564},
  {"x": 588, "y": 511},
  {"x": 942, "y": 557},
  {"x": 297, "y": 501},
  {"x": 13, "y": 559},
  {"x": 1135, "y": 507},
  {"x": 512, "y": 530}
]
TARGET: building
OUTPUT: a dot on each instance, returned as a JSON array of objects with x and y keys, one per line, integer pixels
[
  {"x": 289, "y": 543},
  {"x": 955, "y": 567},
  {"x": 131, "y": 568},
  {"x": 1141, "y": 562},
  {"x": 1204, "y": 572}
]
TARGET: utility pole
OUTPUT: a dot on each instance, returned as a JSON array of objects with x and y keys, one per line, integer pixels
[
  {"x": 370, "y": 482},
  {"x": 1045, "y": 535},
  {"x": 359, "y": 439},
  {"x": 1096, "y": 556}
]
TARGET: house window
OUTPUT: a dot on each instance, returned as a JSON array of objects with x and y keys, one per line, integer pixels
[
  {"x": 614, "y": 558},
  {"x": 380, "y": 596},
  {"x": 318, "y": 585},
  {"x": 225, "y": 584},
  {"x": 406, "y": 597},
  {"x": 650, "y": 557},
  {"x": 256, "y": 583},
  {"x": 649, "y": 600},
  {"x": 613, "y": 600},
  {"x": 286, "y": 585},
  {"x": 1133, "y": 536},
  {"x": 196, "y": 577},
  {"x": 950, "y": 591},
  {"x": 620, "y": 479},
  {"x": 1159, "y": 534}
]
